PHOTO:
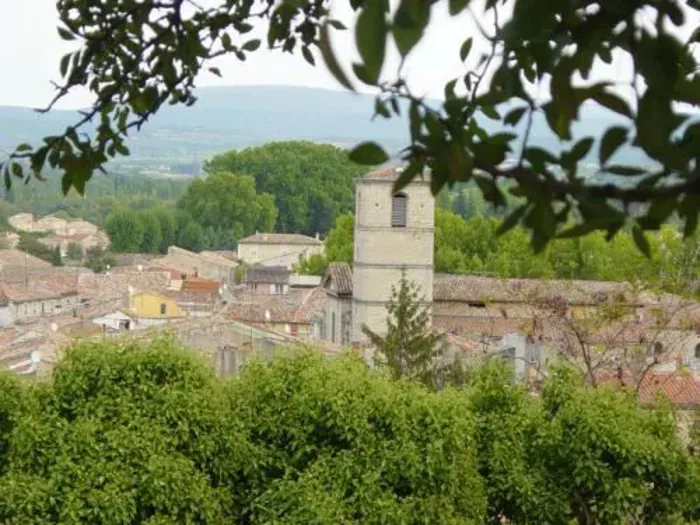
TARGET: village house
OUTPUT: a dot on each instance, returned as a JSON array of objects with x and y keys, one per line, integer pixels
[
  {"x": 291, "y": 314},
  {"x": 22, "y": 222},
  {"x": 209, "y": 265},
  {"x": 142, "y": 310},
  {"x": 85, "y": 241},
  {"x": 60, "y": 233},
  {"x": 19, "y": 302},
  {"x": 278, "y": 249},
  {"x": 267, "y": 280},
  {"x": 334, "y": 324},
  {"x": 196, "y": 296}
]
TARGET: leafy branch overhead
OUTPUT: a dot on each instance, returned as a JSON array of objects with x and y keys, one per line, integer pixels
[{"x": 136, "y": 56}]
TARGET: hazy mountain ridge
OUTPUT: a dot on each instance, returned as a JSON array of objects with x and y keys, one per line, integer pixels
[{"x": 233, "y": 117}]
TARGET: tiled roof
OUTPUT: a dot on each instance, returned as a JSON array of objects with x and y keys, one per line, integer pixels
[
  {"x": 190, "y": 297},
  {"x": 390, "y": 171},
  {"x": 682, "y": 388},
  {"x": 470, "y": 288},
  {"x": 199, "y": 284},
  {"x": 282, "y": 309},
  {"x": 486, "y": 326},
  {"x": 19, "y": 258},
  {"x": 116, "y": 285},
  {"x": 37, "y": 290},
  {"x": 340, "y": 274},
  {"x": 267, "y": 274},
  {"x": 280, "y": 238},
  {"x": 226, "y": 254},
  {"x": 312, "y": 304}
]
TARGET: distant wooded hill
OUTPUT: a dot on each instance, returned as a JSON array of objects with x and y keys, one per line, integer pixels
[{"x": 234, "y": 117}]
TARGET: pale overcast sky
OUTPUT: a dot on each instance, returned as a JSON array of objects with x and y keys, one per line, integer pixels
[{"x": 30, "y": 51}]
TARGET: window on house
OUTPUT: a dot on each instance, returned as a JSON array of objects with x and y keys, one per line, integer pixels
[
  {"x": 398, "y": 210},
  {"x": 163, "y": 309},
  {"x": 658, "y": 348},
  {"x": 697, "y": 351},
  {"x": 295, "y": 330},
  {"x": 476, "y": 304}
]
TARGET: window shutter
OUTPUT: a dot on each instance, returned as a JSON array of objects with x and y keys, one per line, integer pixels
[{"x": 398, "y": 211}]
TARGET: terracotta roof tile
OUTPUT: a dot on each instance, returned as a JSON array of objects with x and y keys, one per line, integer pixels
[
  {"x": 200, "y": 284},
  {"x": 292, "y": 309},
  {"x": 18, "y": 258},
  {"x": 340, "y": 274},
  {"x": 472, "y": 288},
  {"x": 681, "y": 388}
]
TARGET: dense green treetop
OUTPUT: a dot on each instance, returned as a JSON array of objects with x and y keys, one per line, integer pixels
[
  {"x": 136, "y": 57},
  {"x": 125, "y": 231},
  {"x": 128, "y": 434},
  {"x": 311, "y": 183},
  {"x": 229, "y": 201}
]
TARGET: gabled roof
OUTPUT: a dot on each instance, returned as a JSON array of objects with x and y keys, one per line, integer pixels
[
  {"x": 267, "y": 274},
  {"x": 682, "y": 388},
  {"x": 281, "y": 238},
  {"x": 15, "y": 257},
  {"x": 339, "y": 275},
  {"x": 282, "y": 309},
  {"x": 199, "y": 284},
  {"x": 461, "y": 288}
]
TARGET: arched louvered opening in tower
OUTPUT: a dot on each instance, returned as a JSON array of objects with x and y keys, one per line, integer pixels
[{"x": 399, "y": 207}]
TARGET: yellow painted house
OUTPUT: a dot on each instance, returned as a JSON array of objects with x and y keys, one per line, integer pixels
[{"x": 154, "y": 309}]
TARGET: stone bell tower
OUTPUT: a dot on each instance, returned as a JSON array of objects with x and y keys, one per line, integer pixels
[{"x": 393, "y": 232}]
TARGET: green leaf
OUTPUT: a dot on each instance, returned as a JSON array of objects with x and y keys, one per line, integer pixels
[
  {"x": 583, "y": 228},
  {"x": 410, "y": 21},
  {"x": 23, "y": 147},
  {"x": 308, "y": 56},
  {"x": 513, "y": 117},
  {"x": 226, "y": 42},
  {"x": 216, "y": 71},
  {"x": 641, "y": 240},
  {"x": 65, "y": 62},
  {"x": 613, "y": 103},
  {"x": 457, "y": 6},
  {"x": 329, "y": 59},
  {"x": 65, "y": 34},
  {"x": 252, "y": 45},
  {"x": 381, "y": 109},
  {"x": 625, "y": 171},
  {"x": 465, "y": 49},
  {"x": 16, "y": 169},
  {"x": 408, "y": 174},
  {"x": 337, "y": 24},
  {"x": 614, "y": 138},
  {"x": 581, "y": 149},
  {"x": 512, "y": 220},
  {"x": 370, "y": 36},
  {"x": 460, "y": 163},
  {"x": 144, "y": 101},
  {"x": 450, "y": 89},
  {"x": 368, "y": 154}
]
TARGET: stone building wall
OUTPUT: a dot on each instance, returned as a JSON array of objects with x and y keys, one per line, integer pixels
[
  {"x": 267, "y": 254},
  {"x": 382, "y": 252}
]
